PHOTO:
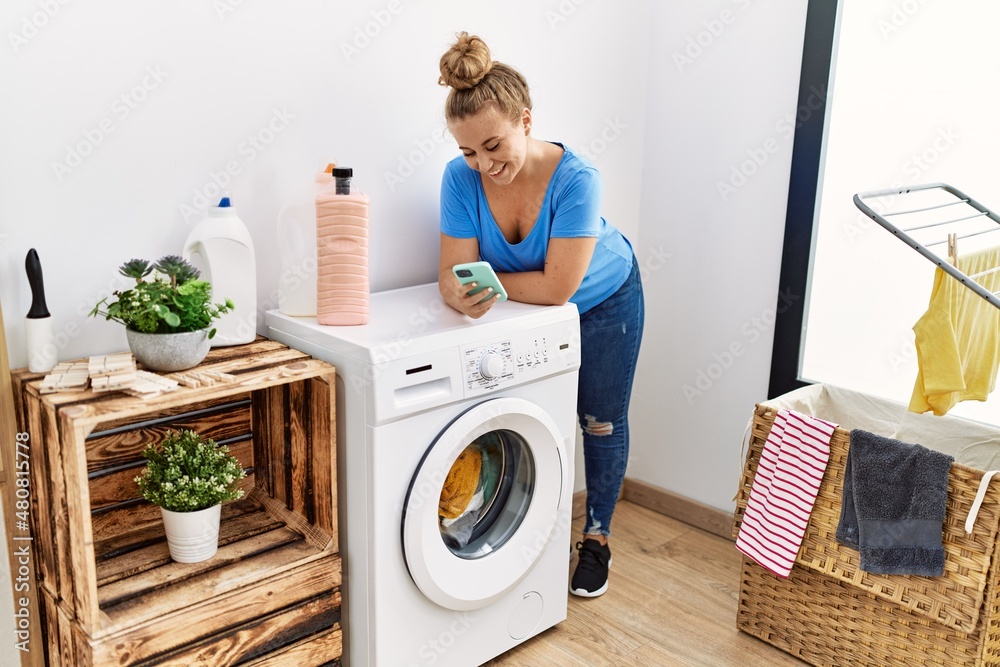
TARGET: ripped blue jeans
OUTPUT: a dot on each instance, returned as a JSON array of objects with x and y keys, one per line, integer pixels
[{"x": 610, "y": 334}]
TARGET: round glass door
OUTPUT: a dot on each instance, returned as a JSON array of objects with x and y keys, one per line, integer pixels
[
  {"x": 483, "y": 503},
  {"x": 486, "y": 494}
]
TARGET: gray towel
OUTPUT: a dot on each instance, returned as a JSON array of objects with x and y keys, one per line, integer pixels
[{"x": 893, "y": 508}]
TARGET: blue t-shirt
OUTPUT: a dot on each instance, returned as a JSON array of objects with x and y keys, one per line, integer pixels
[{"x": 571, "y": 209}]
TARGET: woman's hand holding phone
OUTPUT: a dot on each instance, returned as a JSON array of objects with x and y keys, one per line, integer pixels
[{"x": 477, "y": 288}]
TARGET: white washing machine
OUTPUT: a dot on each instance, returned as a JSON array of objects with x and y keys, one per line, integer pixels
[{"x": 426, "y": 397}]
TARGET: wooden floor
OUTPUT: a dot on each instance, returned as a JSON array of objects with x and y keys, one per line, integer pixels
[{"x": 671, "y": 601}]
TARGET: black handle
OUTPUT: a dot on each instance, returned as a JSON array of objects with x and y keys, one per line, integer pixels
[{"x": 33, "y": 267}]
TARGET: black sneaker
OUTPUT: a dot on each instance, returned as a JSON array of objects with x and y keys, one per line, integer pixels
[{"x": 591, "y": 576}]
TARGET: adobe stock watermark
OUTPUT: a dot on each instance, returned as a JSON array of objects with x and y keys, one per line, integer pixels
[
  {"x": 652, "y": 261},
  {"x": 435, "y": 647},
  {"x": 56, "y": 346},
  {"x": 751, "y": 331},
  {"x": 34, "y": 23},
  {"x": 68, "y": 332},
  {"x": 408, "y": 163},
  {"x": 22, "y": 577},
  {"x": 561, "y": 525},
  {"x": 900, "y": 14},
  {"x": 225, "y": 7},
  {"x": 248, "y": 150},
  {"x": 905, "y": 355},
  {"x": 428, "y": 489},
  {"x": 562, "y": 12},
  {"x": 918, "y": 163},
  {"x": 784, "y": 131},
  {"x": 420, "y": 318},
  {"x": 913, "y": 170},
  {"x": 609, "y": 134},
  {"x": 712, "y": 29},
  {"x": 364, "y": 34},
  {"x": 121, "y": 108}
]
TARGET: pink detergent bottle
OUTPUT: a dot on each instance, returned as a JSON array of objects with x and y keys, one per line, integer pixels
[{"x": 342, "y": 286}]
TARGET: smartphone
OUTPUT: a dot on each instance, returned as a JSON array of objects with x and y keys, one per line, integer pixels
[{"x": 483, "y": 275}]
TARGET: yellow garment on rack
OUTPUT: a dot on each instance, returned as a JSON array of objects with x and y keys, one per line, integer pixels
[
  {"x": 461, "y": 483},
  {"x": 957, "y": 338}
]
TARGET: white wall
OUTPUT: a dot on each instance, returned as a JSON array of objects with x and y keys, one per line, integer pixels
[
  {"x": 722, "y": 89},
  {"x": 121, "y": 118}
]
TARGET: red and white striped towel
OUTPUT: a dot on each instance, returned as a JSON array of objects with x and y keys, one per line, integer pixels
[{"x": 791, "y": 467}]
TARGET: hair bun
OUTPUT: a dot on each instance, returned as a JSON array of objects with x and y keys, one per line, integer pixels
[{"x": 466, "y": 63}]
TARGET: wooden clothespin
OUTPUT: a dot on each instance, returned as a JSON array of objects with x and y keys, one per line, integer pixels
[
  {"x": 111, "y": 364},
  {"x": 186, "y": 379},
  {"x": 116, "y": 382},
  {"x": 148, "y": 385},
  {"x": 66, "y": 376},
  {"x": 111, "y": 372},
  {"x": 198, "y": 378},
  {"x": 218, "y": 376},
  {"x": 953, "y": 249}
]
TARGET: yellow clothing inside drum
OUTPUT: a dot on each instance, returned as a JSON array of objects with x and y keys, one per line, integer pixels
[
  {"x": 957, "y": 338},
  {"x": 461, "y": 483}
]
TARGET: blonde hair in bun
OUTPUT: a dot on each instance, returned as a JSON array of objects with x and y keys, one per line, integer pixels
[
  {"x": 465, "y": 63},
  {"x": 476, "y": 79}
]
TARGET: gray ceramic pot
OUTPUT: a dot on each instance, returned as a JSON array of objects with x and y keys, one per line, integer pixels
[{"x": 169, "y": 351}]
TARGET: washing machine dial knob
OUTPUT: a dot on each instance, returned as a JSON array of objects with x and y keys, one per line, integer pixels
[{"x": 491, "y": 365}]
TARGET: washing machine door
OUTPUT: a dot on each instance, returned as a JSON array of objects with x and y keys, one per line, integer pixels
[{"x": 484, "y": 503}]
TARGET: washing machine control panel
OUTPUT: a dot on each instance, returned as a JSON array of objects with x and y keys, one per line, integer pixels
[
  {"x": 499, "y": 363},
  {"x": 485, "y": 367}
]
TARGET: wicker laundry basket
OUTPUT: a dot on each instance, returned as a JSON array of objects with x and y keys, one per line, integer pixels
[{"x": 829, "y": 612}]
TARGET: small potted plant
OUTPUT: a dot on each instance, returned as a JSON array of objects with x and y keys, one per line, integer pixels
[
  {"x": 167, "y": 316},
  {"x": 189, "y": 477}
]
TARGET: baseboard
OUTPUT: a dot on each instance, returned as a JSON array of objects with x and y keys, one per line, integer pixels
[
  {"x": 669, "y": 504},
  {"x": 678, "y": 507}
]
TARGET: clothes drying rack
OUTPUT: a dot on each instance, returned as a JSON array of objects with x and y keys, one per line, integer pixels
[{"x": 940, "y": 212}]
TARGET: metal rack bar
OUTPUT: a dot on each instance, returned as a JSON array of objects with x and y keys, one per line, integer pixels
[
  {"x": 967, "y": 236},
  {"x": 928, "y": 208},
  {"x": 945, "y": 222},
  {"x": 985, "y": 273},
  {"x": 901, "y": 234}
]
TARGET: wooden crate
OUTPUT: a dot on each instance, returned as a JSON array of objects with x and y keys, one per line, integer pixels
[{"x": 109, "y": 594}]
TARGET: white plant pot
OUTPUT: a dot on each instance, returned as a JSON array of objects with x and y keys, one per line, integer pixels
[
  {"x": 168, "y": 352},
  {"x": 192, "y": 536}
]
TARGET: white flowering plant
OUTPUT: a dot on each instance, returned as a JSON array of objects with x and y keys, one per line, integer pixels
[{"x": 188, "y": 472}]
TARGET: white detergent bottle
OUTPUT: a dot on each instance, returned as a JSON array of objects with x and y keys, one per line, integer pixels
[
  {"x": 221, "y": 248},
  {"x": 297, "y": 249}
]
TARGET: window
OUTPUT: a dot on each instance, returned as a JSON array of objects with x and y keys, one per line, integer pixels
[{"x": 910, "y": 90}]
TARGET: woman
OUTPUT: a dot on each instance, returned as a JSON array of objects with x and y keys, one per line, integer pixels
[{"x": 531, "y": 209}]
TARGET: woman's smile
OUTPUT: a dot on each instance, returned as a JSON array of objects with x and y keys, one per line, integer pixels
[{"x": 493, "y": 144}]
